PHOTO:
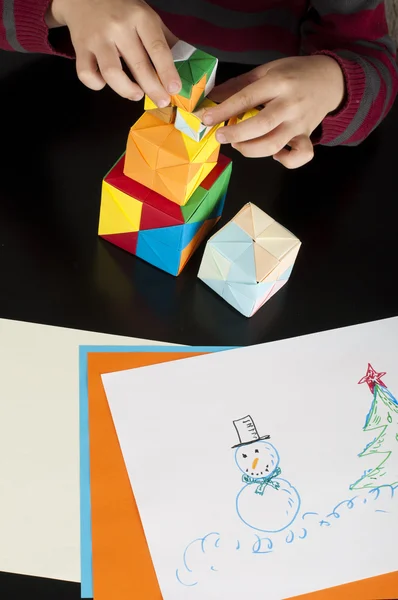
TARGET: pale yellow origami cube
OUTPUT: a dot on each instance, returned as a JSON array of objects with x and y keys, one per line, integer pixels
[{"x": 249, "y": 259}]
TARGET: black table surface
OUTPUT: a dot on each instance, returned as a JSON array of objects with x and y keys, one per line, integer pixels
[{"x": 58, "y": 139}]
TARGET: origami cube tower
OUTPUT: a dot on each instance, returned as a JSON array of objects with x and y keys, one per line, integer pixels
[
  {"x": 167, "y": 191},
  {"x": 146, "y": 224},
  {"x": 167, "y": 161},
  {"x": 249, "y": 259}
]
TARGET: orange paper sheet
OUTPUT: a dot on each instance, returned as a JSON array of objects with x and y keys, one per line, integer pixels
[{"x": 122, "y": 565}]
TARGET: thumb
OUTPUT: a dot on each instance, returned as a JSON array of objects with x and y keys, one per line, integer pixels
[{"x": 301, "y": 152}]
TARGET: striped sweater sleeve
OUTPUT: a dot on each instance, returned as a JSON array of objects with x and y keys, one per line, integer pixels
[
  {"x": 355, "y": 33},
  {"x": 23, "y": 29}
]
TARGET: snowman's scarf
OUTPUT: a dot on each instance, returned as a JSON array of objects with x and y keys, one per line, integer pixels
[{"x": 262, "y": 482}]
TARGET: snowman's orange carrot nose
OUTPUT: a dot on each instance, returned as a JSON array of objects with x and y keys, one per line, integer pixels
[{"x": 255, "y": 461}]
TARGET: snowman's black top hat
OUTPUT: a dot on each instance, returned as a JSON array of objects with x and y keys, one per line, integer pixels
[{"x": 247, "y": 432}]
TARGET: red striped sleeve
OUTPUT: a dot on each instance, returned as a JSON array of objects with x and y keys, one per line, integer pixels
[
  {"x": 202, "y": 33},
  {"x": 23, "y": 28},
  {"x": 366, "y": 24},
  {"x": 4, "y": 45},
  {"x": 383, "y": 100},
  {"x": 360, "y": 43}
]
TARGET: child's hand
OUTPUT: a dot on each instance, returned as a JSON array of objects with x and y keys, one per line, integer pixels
[
  {"x": 297, "y": 93},
  {"x": 102, "y": 31}
]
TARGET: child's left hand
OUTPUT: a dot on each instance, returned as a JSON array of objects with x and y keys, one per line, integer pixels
[{"x": 297, "y": 94}]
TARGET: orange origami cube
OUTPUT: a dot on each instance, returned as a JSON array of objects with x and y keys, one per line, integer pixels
[{"x": 166, "y": 161}]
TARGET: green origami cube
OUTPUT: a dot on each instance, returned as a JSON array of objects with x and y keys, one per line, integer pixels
[{"x": 197, "y": 71}]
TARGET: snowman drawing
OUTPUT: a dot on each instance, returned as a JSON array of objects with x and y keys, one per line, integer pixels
[{"x": 266, "y": 502}]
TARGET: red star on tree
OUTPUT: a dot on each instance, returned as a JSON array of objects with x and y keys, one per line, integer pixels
[{"x": 372, "y": 378}]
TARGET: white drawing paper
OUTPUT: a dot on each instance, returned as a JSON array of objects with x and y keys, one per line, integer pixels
[
  {"x": 39, "y": 447},
  {"x": 271, "y": 468}
]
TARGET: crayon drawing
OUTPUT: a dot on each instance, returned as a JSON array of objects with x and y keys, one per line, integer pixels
[
  {"x": 271, "y": 467},
  {"x": 269, "y": 504}
]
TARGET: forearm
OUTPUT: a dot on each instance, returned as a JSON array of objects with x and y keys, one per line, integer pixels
[
  {"x": 360, "y": 43},
  {"x": 25, "y": 27}
]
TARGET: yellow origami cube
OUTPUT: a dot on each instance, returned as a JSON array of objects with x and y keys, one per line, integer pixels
[{"x": 244, "y": 116}]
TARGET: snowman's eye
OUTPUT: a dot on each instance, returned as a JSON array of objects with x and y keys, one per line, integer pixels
[
  {"x": 244, "y": 455},
  {"x": 257, "y": 451}
]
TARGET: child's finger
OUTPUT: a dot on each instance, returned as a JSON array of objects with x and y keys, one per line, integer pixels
[
  {"x": 300, "y": 153},
  {"x": 155, "y": 43},
  {"x": 111, "y": 70},
  {"x": 267, "y": 145},
  {"x": 137, "y": 60},
  {"x": 265, "y": 121},
  {"x": 87, "y": 70},
  {"x": 256, "y": 93}
]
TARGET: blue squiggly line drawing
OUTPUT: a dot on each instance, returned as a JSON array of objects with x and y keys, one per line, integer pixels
[
  {"x": 309, "y": 513},
  {"x": 350, "y": 505},
  {"x": 290, "y": 537},
  {"x": 377, "y": 490},
  {"x": 202, "y": 543},
  {"x": 322, "y": 523},
  {"x": 266, "y": 545},
  {"x": 302, "y": 537},
  {"x": 205, "y": 538},
  {"x": 184, "y": 584},
  {"x": 256, "y": 549},
  {"x": 184, "y": 557},
  {"x": 202, "y": 546}
]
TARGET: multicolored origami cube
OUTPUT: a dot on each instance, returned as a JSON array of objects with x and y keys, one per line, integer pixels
[
  {"x": 167, "y": 161},
  {"x": 191, "y": 123},
  {"x": 197, "y": 71},
  {"x": 144, "y": 223},
  {"x": 249, "y": 259}
]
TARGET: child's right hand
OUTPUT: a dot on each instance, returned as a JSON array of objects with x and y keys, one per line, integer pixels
[{"x": 102, "y": 31}]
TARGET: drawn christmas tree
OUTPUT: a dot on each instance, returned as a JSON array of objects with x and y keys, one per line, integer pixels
[{"x": 382, "y": 418}]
